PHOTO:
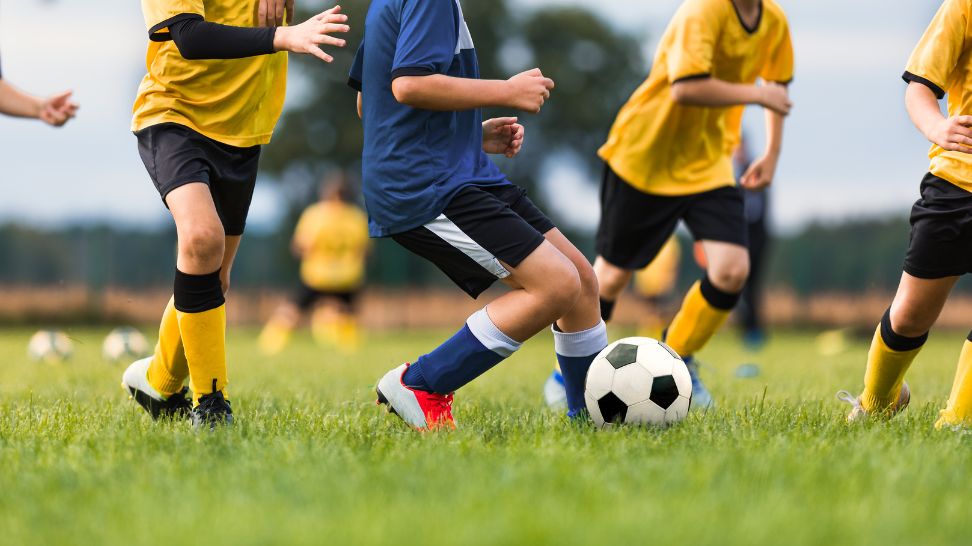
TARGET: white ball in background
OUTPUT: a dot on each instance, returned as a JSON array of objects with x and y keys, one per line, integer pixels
[
  {"x": 49, "y": 346},
  {"x": 123, "y": 344}
]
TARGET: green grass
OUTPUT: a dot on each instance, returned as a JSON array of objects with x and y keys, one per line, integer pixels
[{"x": 312, "y": 460}]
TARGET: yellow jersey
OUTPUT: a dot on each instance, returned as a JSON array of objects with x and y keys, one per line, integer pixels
[
  {"x": 334, "y": 239},
  {"x": 661, "y": 147},
  {"x": 233, "y": 101},
  {"x": 941, "y": 60}
]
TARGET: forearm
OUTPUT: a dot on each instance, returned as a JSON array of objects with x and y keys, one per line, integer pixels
[
  {"x": 774, "y": 133},
  {"x": 713, "y": 92},
  {"x": 14, "y": 102},
  {"x": 446, "y": 93},
  {"x": 197, "y": 39},
  {"x": 923, "y": 109}
]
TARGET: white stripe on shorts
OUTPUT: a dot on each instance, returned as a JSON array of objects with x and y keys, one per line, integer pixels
[{"x": 457, "y": 238}]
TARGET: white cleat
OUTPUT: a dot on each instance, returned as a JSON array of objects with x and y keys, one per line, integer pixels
[
  {"x": 422, "y": 410},
  {"x": 858, "y": 413},
  {"x": 136, "y": 384}
]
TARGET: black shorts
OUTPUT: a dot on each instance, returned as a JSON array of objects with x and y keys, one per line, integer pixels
[
  {"x": 175, "y": 155},
  {"x": 480, "y": 228},
  {"x": 635, "y": 225},
  {"x": 306, "y": 298},
  {"x": 941, "y": 231}
]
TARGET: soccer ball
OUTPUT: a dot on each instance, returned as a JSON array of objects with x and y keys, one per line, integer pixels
[
  {"x": 124, "y": 343},
  {"x": 49, "y": 346},
  {"x": 638, "y": 381}
]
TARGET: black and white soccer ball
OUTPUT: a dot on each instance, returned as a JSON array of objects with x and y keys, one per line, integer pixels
[
  {"x": 124, "y": 343},
  {"x": 638, "y": 381},
  {"x": 49, "y": 346}
]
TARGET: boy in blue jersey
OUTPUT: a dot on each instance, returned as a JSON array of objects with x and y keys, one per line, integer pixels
[{"x": 429, "y": 185}]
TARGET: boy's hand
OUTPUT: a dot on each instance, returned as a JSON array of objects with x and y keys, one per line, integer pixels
[
  {"x": 56, "y": 110},
  {"x": 529, "y": 90},
  {"x": 760, "y": 174},
  {"x": 308, "y": 36},
  {"x": 953, "y": 134},
  {"x": 503, "y": 136},
  {"x": 270, "y": 13},
  {"x": 775, "y": 97}
]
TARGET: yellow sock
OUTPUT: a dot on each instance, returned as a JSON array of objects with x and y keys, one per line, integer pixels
[
  {"x": 169, "y": 368},
  {"x": 275, "y": 336},
  {"x": 886, "y": 367},
  {"x": 347, "y": 333},
  {"x": 324, "y": 326},
  {"x": 697, "y": 321},
  {"x": 204, "y": 338},
  {"x": 958, "y": 411}
]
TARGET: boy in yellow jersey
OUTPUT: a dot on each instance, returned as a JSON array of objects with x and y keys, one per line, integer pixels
[
  {"x": 940, "y": 249},
  {"x": 213, "y": 92},
  {"x": 55, "y": 110},
  {"x": 331, "y": 240},
  {"x": 669, "y": 157}
]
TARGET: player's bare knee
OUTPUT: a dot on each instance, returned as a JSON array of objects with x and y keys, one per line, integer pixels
[
  {"x": 202, "y": 244},
  {"x": 612, "y": 280},
  {"x": 731, "y": 277},
  {"x": 565, "y": 289},
  {"x": 907, "y": 321},
  {"x": 589, "y": 285}
]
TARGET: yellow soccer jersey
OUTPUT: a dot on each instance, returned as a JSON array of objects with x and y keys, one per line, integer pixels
[
  {"x": 335, "y": 238},
  {"x": 664, "y": 148},
  {"x": 233, "y": 101},
  {"x": 942, "y": 62}
]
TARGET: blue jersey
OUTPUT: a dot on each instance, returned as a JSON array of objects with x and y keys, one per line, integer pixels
[{"x": 414, "y": 161}]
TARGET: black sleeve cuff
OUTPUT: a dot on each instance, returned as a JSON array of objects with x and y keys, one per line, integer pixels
[
  {"x": 354, "y": 84},
  {"x": 693, "y": 77},
  {"x": 156, "y": 36},
  {"x": 909, "y": 77},
  {"x": 412, "y": 71}
]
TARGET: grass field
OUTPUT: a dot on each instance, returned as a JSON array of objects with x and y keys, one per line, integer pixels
[{"x": 313, "y": 461}]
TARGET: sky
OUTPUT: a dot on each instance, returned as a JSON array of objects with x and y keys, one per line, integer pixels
[{"x": 849, "y": 150}]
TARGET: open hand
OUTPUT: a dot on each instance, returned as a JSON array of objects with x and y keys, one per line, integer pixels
[
  {"x": 503, "y": 136},
  {"x": 760, "y": 174},
  {"x": 57, "y": 109},
  {"x": 308, "y": 36}
]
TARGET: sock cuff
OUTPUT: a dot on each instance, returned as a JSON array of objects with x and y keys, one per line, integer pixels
[
  {"x": 896, "y": 341},
  {"x": 580, "y": 344},
  {"x": 723, "y": 301},
  {"x": 197, "y": 293},
  {"x": 489, "y": 335},
  {"x": 607, "y": 308}
]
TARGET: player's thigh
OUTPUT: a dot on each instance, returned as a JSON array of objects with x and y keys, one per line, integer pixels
[
  {"x": 918, "y": 303},
  {"x": 634, "y": 225},
  {"x": 194, "y": 212}
]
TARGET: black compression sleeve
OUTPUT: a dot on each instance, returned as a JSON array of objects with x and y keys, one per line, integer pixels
[{"x": 198, "y": 39}]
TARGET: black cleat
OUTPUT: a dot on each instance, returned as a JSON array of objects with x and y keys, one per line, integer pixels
[{"x": 213, "y": 410}]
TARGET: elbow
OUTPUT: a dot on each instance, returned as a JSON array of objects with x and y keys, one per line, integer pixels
[
  {"x": 405, "y": 90},
  {"x": 188, "y": 52}
]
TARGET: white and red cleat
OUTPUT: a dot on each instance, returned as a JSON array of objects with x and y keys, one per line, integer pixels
[{"x": 421, "y": 410}]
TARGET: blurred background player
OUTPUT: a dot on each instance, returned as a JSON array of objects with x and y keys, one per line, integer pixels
[
  {"x": 756, "y": 205},
  {"x": 940, "y": 247},
  {"x": 55, "y": 110},
  {"x": 214, "y": 90},
  {"x": 429, "y": 184},
  {"x": 669, "y": 158},
  {"x": 331, "y": 241}
]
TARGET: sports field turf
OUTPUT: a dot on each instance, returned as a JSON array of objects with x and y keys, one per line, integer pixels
[{"x": 313, "y": 461}]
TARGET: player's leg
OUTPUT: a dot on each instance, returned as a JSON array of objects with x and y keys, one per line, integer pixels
[
  {"x": 958, "y": 411},
  {"x": 276, "y": 334},
  {"x": 612, "y": 281},
  {"x": 346, "y": 317},
  {"x": 899, "y": 338},
  {"x": 579, "y": 334}
]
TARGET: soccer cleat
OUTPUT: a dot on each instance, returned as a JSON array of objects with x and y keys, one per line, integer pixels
[
  {"x": 554, "y": 391},
  {"x": 858, "y": 413},
  {"x": 421, "y": 410},
  {"x": 701, "y": 398},
  {"x": 213, "y": 410},
  {"x": 135, "y": 381}
]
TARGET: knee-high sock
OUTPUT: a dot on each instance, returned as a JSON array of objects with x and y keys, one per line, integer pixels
[
  {"x": 275, "y": 336},
  {"x": 201, "y": 309},
  {"x": 169, "y": 368},
  {"x": 575, "y": 353},
  {"x": 471, "y": 352},
  {"x": 959, "y": 408},
  {"x": 704, "y": 310},
  {"x": 889, "y": 358}
]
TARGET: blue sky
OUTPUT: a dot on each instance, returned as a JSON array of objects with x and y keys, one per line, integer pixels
[{"x": 850, "y": 150}]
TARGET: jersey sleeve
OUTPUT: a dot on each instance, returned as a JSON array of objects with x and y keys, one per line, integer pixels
[
  {"x": 427, "y": 39},
  {"x": 356, "y": 76},
  {"x": 779, "y": 67},
  {"x": 159, "y": 14},
  {"x": 939, "y": 50},
  {"x": 694, "y": 30}
]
